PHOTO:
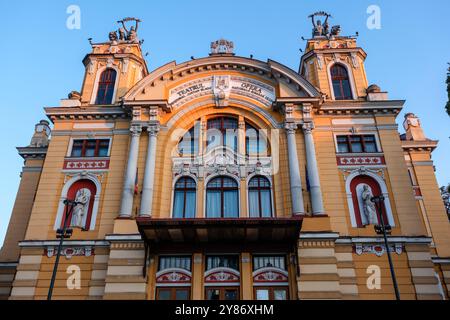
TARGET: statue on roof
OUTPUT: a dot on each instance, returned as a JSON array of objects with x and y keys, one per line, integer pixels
[
  {"x": 319, "y": 29},
  {"x": 131, "y": 34},
  {"x": 323, "y": 29}
]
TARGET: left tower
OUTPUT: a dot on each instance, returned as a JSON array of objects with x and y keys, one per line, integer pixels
[{"x": 90, "y": 128}]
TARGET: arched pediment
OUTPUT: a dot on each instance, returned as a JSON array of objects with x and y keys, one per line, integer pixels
[{"x": 221, "y": 77}]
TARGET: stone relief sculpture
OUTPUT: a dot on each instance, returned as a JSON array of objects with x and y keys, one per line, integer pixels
[
  {"x": 80, "y": 211},
  {"x": 370, "y": 212}
]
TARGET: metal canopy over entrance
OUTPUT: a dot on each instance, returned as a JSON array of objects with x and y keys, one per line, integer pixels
[{"x": 256, "y": 235}]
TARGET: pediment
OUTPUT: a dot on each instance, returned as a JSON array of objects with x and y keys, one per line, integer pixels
[{"x": 221, "y": 78}]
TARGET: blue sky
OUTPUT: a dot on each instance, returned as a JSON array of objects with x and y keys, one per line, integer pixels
[{"x": 41, "y": 57}]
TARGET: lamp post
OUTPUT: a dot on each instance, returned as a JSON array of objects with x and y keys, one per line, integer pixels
[
  {"x": 62, "y": 233},
  {"x": 384, "y": 230}
]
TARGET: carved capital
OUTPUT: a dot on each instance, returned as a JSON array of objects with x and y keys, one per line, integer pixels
[
  {"x": 136, "y": 130},
  {"x": 290, "y": 127},
  {"x": 308, "y": 127},
  {"x": 153, "y": 129}
]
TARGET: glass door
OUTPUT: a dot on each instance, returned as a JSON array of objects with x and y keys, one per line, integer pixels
[{"x": 222, "y": 293}]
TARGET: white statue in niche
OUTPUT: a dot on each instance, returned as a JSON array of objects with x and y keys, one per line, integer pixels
[
  {"x": 369, "y": 209},
  {"x": 80, "y": 211}
]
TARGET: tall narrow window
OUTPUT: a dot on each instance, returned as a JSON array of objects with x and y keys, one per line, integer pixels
[
  {"x": 341, "y": 83},
  {"x": 222, "y": 198},
  {"x": 106, "y": 85},
  {"x": 255, "y": 141},
  {"x": 184, "y": 198},
  {"x": 188, "y": 145},
  {"x": 259, "y": 198},
  {"x": 222, "y": 131}
]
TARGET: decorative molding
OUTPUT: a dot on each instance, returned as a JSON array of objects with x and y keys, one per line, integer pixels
[
  {"x": 268, "y": 275},
  {"x": 363, "y": 170},
  {"x": 360, "y": 160},
  {"x": 173, "y": 275},
  {"x": 81, "y": 164},
  {"x": 222, "y": 275},
  {"x": 377, "y": 249},
  {"x": 70, "y": 252}
]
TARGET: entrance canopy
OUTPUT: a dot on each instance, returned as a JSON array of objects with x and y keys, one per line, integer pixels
[{"x": 256, "y": 235}]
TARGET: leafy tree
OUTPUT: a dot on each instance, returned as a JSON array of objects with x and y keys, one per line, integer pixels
[
  {"x": 447, "y": 107},
  {"x": 445, "y": 193}
]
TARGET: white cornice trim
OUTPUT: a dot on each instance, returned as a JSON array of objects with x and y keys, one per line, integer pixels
[
  {"x": 123, "y": 237},
  {"x": 45, "y": 243},
  {"x": 320, "y": 235},
  {"x": 421, "y": 240}
]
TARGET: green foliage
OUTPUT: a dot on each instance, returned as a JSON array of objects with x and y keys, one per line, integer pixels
[{"x": 447, "y": 107}]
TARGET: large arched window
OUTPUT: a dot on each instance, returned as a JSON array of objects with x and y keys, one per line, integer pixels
[
  {"x": 259, "y": 198},
  {"x": 341, "y": 82},
  {"x": 106, "y": 84},
  {"x": 184, "y": 198},
  {"x": 222, "y": 131},
  {"x": 222, "y": 198}
]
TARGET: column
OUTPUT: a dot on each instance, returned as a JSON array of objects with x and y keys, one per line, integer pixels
[
  {"x": 149, "y": 176},
  {"x": 130, "y": 173},
  {"x": 294, "y": 171},
  {"x": 313, "y": 171}
]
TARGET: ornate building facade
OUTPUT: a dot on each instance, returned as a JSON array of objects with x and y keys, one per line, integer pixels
[{"x": 226, "y": 177}]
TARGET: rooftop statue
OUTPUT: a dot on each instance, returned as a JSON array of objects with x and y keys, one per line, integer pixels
[
  {"x": 323, "y": 30},
  {"x": 125, "y": 34}
]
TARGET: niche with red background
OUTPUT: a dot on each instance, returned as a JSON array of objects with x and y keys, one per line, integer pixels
[
  {"x": 355, "y": 188},
  {"x": 71, "y": 195}
]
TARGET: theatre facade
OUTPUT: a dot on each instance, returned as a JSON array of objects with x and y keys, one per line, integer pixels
[{"x": 227, "y": 178}]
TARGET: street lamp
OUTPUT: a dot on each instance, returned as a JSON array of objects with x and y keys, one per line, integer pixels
[
  {"x": 61, "y": 234},
  {"x": 385, "y": 229}
]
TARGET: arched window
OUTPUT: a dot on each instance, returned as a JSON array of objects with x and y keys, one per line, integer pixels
[
  {"x": 222, "y": 131},
  {"x": 341, "y": 82},
  {"x": 184, "y": 198},
  {"x": 106, "y": 83},
  {"x": 222, "y": 198},
  {"x": 259, "y": 198},
  {"x": 255, "y": 141}
]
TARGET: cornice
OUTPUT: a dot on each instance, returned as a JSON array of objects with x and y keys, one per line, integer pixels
[
  {"x": 32, "y": 152},
  {"x": 361, "y": 107},
  {"x": 410, "y": 145},
  {"x": 91, "y": 112}
]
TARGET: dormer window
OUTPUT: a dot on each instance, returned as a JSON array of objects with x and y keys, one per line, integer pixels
[
  {"x": 341, "y": 83},
  {"x": 106, "y": 84}
]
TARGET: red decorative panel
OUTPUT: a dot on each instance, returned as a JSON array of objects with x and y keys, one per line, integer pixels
[
  {"x": 80, "y": 164},
  {"x": 269, "y": 276},
  {"x": 360, "y": 160},
  {"x": 173, "y": 277},
  {"x": 222, "y": 276}
]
